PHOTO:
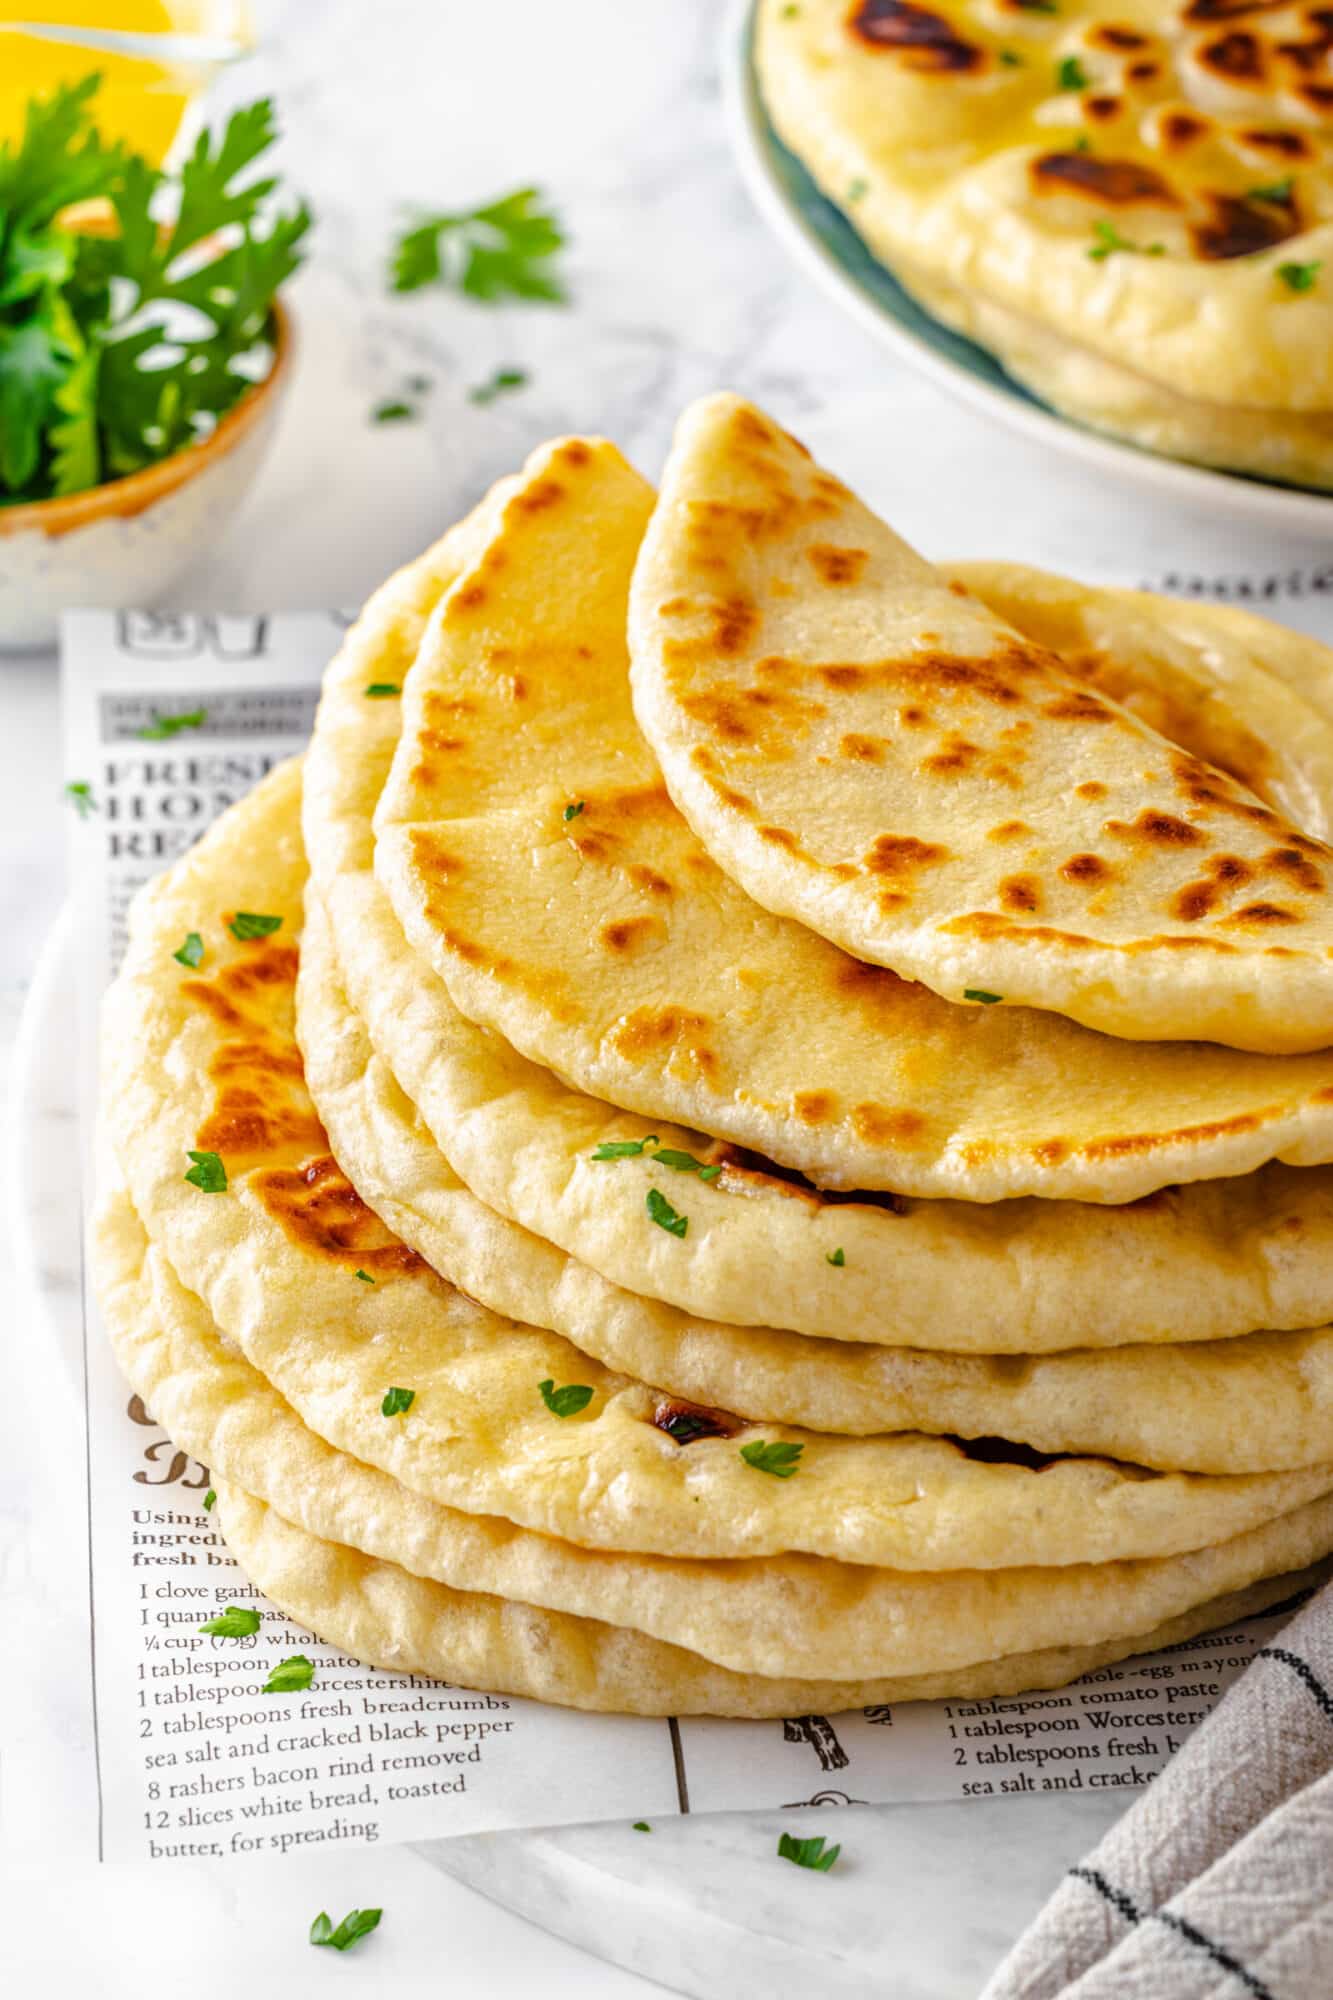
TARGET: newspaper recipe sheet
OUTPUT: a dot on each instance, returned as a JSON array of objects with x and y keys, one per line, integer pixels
[{"x": 169, "y": 719}]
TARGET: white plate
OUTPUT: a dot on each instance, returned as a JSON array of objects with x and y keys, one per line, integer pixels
[{"x": 824, "y": 244}]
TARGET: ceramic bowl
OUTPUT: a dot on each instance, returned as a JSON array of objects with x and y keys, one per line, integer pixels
[{"x": 124, "y": 542}]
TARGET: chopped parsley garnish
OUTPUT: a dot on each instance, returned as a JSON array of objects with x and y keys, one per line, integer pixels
[
  {"x": 356, "y": 1924},
  {"x": 857, "y": 189},
  {"x": 377, "y": 690},
  {"x": 1278, "y": 191},
  {"x": 837, "y": 1258},
  {"x": 566, "y": 1402},
  {"x": 808, "y": 1851},
  {"x": 623, "y": 1149},
  {"x": 122, "y": 347},
  {"x": 207, "y": 1173},
  {"x": 238, "y": 1621},
  {"x": 191, "y": 953},
  {"x": 291, "y": 1676},
  {"x": 1300, "y": 277},
  {"x": 162, "y": 727},
  {"x": 80, "y": 795},
  {"x": 641, "y": 1825},
  {"x": 980, "y": 994},
  {"x": 685, "y": 1163},
  {"x": 365, "y": 1277},
  {"x": 573, "y": 811},
  {"x": 502, "y": 250},
  {"x": 250, "y": 924},
  {"x": 394, "y": 412},
  {"x": 770, "y": 1455},
  {"x": 1070, "y": 74},
  {"x": 501, "y": 383},
  {"x": 1110, "y": 240},
  {"x": 210, "y": 1500},
  {"x": 396, "y": 1401},
  {"x": 664, "y": 1215},
  {"x": 1011, "y": 58}
]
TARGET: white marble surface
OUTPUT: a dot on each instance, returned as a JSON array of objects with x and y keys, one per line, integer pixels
[{"x": 613, "y": 109}]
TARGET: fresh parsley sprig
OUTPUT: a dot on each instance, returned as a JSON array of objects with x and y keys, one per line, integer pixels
[
  {"x": 291, "y": 1676},
  {"x": 341, "y": 1937},
  {"x": 238, "y": 1621},
  {"x": 119, "y": 349},
  {"x": 501, "y": 250},
  {"x": 566, "y": 1402},
  {"x": 773, "y": 1455}
]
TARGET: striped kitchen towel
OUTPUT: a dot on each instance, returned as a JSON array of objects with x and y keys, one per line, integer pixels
[{"x": 1218, "y": 1883}]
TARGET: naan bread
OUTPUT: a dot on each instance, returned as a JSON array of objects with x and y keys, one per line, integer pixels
[
  {"x": 1197, "y": 1262},
  {"x": 204, "y": 1060},
  {"x": 1161, "y": 1405},
  {"x": 537, "y": 865},
  {"x": 1106, "y": 196},
  {"x": 865, "y": 750},
  {"x": 382, "y": 1614},
  {"x": 789, "y": 1615}
]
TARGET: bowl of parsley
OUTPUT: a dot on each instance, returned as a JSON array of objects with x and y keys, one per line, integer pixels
[{"x": 143, "y": 354}]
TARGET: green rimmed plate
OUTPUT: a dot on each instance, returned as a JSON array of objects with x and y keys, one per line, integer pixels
[{"x": 825, "y": 243}]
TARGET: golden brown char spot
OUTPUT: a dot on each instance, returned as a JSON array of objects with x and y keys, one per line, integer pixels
[
  {"x": 1181, "y": 128},
  {"x": 1151, "y": 1142},
  {"x": 956, "y": 755},
  {"x": 1091, "y": 788},
  {"x": 318, "y": 1208},
  {"x": 1102, "y": 107},
  {"x": 591, "y": 846},
  {"x": 750, "y": 715},
  {"x": 862, "y": 749},
  {"x": 1241, "y": 227},
  {"x": 248, "y": 1124},
  {"x": 901, "y": 854},
  {"x": 778, "y": 836},
  {"x": 677, "y": 1033},
  {"x": 1283, "y": 145},
  {"x": 1291, "y": 862},
  {"x": 1050, "y": 1152},
  {"x": 1077, "y": 706},
  {"x": 1116, "y": 183},
  {"x": 924, "y": 41},
  {"x": 887, "y": 1125},
  {"x": 626, "y": 934},
  {"x": 1143, "y": 72},
  {"x": 1021, "y": 893},
  {"x": 1238, "y": 56},
  {"x": 468, "y": 949},
  {"x": 649, "y": 880},
  {"x": 574, "y": 453},
  {"x": 1009, "y": 829},
  {"x": 843, "y": 679},
  {"x": 836, "y": 566},
  {"x": 468, "y": 597},
  {"x": 815, "y": 1107},
  {"x": 1111, "y": 35},
  {"x": 538, "y": 498},
  {"x": 1156, "y": 829},
  {"x": 912, "y": 718},
  {"x": 1207, "y": 11},
  {"x": 1257, "y": 915},
  {"x": 1087, "y": 870}
]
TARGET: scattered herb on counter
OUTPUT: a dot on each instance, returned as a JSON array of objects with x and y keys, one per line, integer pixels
[
  {"x": 837, "y": 1258},
  {"x": 1300, "y": 277},
  {"x": 191, "y": 953},
  {"x": 356, "y": 1924},
  {"x": 210, "y": 1501},
  {"x": 248, "y": 924},
  {"x": 396, "y": 1401},
  {"x": 1070, "y": 74},
  {"x": 501, "y": 383},
  {"x": 573, "y": 810},
  {"x": 378, "y": 690},
  {"x": 642, "y": 1826},
  {"x": 501, "y": 250},
  {"x": 238, "y": 1621},
  {"x": 207, "y": 1173},
  {"x": 394, "y": 412},
  {"x": 1109, "y": 240},
  {"x": 291, "y": 1676},
  {"x": 808, "y": 1851},
  {"x": 119, "y": 349},
  {"x": 623, "y": 1149},
  {"x": 664, "y": 1215},
  {"x": 566, "y": 1402},
  {"x": 80, "y": 795},
  {"x": 772, "y": 1455},
  {"x": 980, "y": 994},
  {"x": 163, "y": 727}
]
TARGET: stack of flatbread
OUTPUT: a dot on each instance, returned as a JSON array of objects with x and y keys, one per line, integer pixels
[
  {"x": 1128, "y": 202},
  {"x": 743, "y": 1135}
]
